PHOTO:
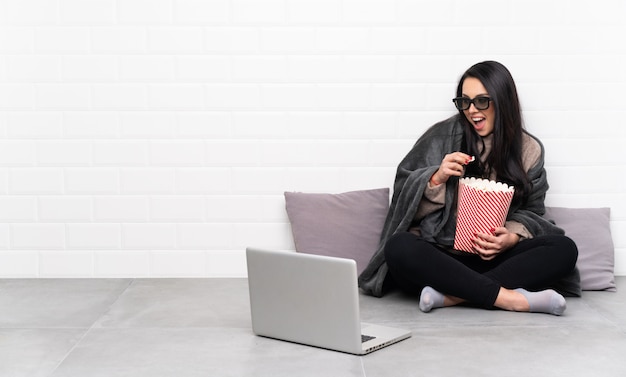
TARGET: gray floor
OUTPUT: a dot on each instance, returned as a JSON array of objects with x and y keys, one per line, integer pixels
[{"x": 201, "y": 327}]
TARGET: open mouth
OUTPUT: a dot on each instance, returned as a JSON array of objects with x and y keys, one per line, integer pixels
[{"x": 479, "y": 122}]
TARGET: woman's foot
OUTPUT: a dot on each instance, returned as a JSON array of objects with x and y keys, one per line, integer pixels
[
  {"x": 547, "y": 301},
  {"x": 430, "y": 299}
]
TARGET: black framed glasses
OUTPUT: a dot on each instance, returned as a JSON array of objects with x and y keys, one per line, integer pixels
[{"x": 480, "y": 103}]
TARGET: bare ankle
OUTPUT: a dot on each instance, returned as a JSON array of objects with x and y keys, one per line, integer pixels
[
  {"x": 452, "y": 301},
  {"x": 511, "y": 300}
]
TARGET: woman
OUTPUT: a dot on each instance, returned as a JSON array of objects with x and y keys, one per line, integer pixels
[{"x": 518, "y": 266}]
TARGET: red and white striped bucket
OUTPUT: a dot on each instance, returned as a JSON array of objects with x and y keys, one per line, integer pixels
[{"x": 482, "y": 206}]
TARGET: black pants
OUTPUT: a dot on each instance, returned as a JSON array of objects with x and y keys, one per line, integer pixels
[{"x": 533, "y": 264}]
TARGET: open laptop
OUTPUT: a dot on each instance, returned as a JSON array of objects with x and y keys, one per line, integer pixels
[{"x": 313, "y": 300}]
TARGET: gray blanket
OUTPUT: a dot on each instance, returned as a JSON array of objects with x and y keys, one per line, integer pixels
[{"x": 412, "y": 176}]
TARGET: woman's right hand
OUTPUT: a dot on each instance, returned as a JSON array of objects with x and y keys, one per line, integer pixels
[{"x": 452, "y": 165}]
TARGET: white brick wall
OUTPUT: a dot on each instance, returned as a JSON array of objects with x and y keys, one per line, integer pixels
[{"x": 156, "y": 137}]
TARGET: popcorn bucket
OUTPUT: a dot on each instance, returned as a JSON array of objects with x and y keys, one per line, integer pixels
[{"x": 482, "y": 206}]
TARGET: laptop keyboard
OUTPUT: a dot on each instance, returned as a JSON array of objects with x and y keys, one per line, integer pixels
[{"x": 365, "y": 338}]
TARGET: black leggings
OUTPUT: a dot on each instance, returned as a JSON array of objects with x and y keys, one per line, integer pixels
[{"x": 533, "y": 264}]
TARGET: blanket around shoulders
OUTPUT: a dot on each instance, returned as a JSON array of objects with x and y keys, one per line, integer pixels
[{"x": 412, "y": 176}]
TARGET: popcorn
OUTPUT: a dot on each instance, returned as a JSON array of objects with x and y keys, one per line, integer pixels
[{"x": 483, "y": 205}]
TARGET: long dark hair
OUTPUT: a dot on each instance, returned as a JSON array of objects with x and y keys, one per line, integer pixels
[{"x": 505, "y": 157}]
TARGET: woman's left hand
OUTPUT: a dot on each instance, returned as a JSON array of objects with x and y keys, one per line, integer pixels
[{"x": 488, "y": 246}]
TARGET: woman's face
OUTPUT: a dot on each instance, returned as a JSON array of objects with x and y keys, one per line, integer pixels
[{"x": 482, "y": 120}]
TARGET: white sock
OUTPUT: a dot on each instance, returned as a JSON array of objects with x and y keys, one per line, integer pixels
[
  {"x": 547, "y": 301},
  {"x": 430, "y": 299}
]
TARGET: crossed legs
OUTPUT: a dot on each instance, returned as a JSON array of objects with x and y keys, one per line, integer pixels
[{"x": 516, "y": 280}]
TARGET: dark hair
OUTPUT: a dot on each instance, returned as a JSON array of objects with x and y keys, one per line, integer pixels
[{"x": 505, "y": 157}]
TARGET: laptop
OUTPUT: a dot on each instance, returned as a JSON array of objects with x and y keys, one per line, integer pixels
[{"x": 312, "y": 300}]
